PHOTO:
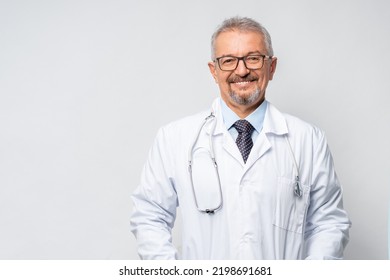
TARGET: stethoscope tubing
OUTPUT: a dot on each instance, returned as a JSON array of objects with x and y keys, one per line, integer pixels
[
  {"x": 297, "y": 188},
  {"x": 212, "y": 155}
]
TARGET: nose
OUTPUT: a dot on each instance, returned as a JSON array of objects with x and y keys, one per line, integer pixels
[{"x": 241, "y": 69}]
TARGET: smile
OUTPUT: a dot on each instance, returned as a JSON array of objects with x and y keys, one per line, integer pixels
[{"x": 242, "y": 83}]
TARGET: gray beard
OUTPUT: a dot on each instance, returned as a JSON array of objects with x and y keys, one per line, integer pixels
[{"x": 252, "y": 98}]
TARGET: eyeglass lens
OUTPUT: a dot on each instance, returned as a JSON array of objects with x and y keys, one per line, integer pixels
[{"x": 229, "y": 63}]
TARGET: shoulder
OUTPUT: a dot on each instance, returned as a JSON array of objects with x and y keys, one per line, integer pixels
[
  {"x": 297, "y": 127},
  {"x": 186, "y": 123},
  {"x": 183, "y": 128},
  {"x": 297, "y": 123}
]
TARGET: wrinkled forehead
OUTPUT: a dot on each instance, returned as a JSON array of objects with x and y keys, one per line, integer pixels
[
  {"x": 240, "y": 31},
  {"x": 233, "y": 42}
]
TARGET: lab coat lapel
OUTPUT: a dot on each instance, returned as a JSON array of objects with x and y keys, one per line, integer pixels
[
  {"x": 274, "y": 121},
  {"x": 231, "y": 147},
  {"x": 260, "y": 147},
  {"x": 274, "y": 124},
  {"x": 228, "y": 143}
]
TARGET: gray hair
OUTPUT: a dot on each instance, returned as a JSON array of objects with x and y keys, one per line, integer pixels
[{"x": 242, "y": 24}]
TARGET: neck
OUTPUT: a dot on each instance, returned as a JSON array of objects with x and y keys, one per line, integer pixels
[{"x": 244, "y": 110}]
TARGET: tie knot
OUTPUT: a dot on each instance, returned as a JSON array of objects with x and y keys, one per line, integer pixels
[{"x": 243, "y": 126}]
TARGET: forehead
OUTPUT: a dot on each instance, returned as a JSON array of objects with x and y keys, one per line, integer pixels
[{"x": 239, "y": 43}]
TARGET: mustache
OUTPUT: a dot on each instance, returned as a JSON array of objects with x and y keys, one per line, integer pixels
[{"x": 238, "y": 79}]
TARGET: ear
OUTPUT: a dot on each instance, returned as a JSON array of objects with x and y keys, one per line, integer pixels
[
  {"x": 213, "y": 71},
  {"x": 273, "y": 67}
]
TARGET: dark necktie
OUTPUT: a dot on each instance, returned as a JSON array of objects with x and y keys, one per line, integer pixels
[{"x": 244, "y": 139}]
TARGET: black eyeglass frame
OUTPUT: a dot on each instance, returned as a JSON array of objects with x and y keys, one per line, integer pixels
[{"x": 243, "y": 60}]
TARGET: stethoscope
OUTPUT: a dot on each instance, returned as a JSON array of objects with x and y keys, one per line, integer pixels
[{"x": 297, "y": 188}]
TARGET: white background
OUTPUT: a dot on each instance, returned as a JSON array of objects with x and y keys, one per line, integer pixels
[{"x": 84, "y": 86}]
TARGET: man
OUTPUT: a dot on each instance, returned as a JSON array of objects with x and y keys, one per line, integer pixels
[{"x": 272, "y": 192}]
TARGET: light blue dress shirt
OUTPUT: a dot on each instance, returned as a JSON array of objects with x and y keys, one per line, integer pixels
[{"x": 256, "y": 118}]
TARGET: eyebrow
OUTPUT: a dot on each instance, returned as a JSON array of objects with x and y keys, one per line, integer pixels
[{"x": 249, "y": 53}]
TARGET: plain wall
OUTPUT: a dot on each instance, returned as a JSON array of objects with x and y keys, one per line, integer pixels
[{"x": 84, "y": 86}]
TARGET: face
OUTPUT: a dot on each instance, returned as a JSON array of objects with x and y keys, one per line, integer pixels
[{"x": 242, "y": 89}]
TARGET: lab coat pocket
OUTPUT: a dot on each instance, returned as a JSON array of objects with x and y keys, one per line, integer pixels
[{"x": 290, "y": 210}]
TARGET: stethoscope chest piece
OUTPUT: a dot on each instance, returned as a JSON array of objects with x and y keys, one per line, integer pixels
[{"x": 297, "y": 187}]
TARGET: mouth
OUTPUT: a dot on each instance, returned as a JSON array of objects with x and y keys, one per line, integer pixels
[
  {"x": 243, "y": 84},
  {"x": 243, "y": 81}
]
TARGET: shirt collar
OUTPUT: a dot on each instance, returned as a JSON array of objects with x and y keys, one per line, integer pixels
[{"x": 256, "y": 118}]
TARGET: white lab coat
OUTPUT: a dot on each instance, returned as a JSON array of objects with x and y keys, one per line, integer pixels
[{"x": 261, "y": 218}]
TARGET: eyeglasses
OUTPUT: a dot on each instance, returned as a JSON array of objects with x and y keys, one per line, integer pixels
[{"x": 251, "y": 62}]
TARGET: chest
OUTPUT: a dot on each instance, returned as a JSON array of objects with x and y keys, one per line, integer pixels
[{"x": 218, "y": 167}]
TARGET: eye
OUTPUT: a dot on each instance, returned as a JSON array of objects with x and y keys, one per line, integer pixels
[
  {"x": 253, "y": 58},
  {"x": 228, "y": 60}
]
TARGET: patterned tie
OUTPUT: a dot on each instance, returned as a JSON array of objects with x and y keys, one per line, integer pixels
[{"x": 244, "y": 139}]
